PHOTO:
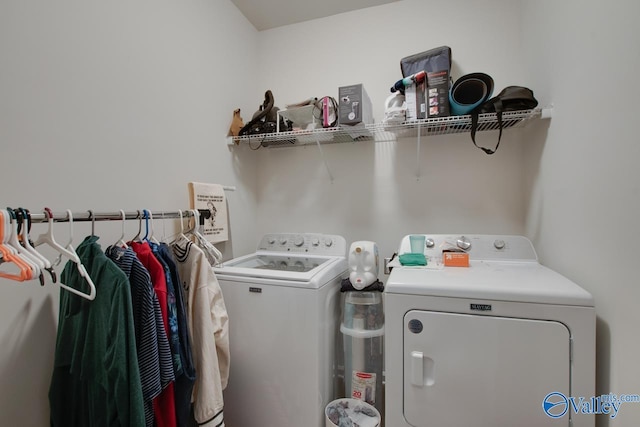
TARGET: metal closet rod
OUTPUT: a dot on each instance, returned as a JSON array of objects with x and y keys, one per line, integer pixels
[{"x": 90, "y": 215}]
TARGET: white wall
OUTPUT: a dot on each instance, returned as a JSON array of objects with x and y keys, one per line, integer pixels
[
  {"x": 93, "y": 97},
  {"x": 584, "y": 204},
  {"x": 107, "y": 106},
  {"x": 571, "y": 183},
  {"x": 376, "y": 194}
]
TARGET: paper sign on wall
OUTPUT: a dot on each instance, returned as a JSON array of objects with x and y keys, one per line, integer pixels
[{"x": 211, "y": 202}]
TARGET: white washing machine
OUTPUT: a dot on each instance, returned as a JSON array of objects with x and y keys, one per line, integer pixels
[
  {"x": 484, "y": 345},
  {"x": 284, "y": 311}
]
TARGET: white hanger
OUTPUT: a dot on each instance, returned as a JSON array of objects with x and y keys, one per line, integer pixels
[
  {"x": 181, "y": 223},
  {"x": 121, "y": 242},
  {"x": 51, "y": 241},
  {"x": 70, "y": 253},
  {"x": 213, "y": 254},
  {"x": 43, "y": 262},
  {"x": 34, "y": 263},
  {"x": 6, "y": 216},
  {"x": 181, "y": 234},
  {"x": 151, "y": 238},
  {"x": 26, "y": 272},
  {"x": 70, "y": 218},
  {"x": 164, "y": 230}
]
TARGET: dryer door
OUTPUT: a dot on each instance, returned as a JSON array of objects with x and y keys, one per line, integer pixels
[{"x": 482, "y": 371}]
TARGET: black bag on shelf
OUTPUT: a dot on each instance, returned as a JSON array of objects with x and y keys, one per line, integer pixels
[
  {"x": 265, "y": 119},
  {"x": 512, "y": 98},
  {"x": 432, "y": 60}
]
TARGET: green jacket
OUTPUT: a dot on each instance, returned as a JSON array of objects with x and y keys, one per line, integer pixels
[{"x": 96, "y": 380}]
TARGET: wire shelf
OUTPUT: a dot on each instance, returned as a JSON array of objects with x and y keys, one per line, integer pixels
[{"x": 389, "y": 132}]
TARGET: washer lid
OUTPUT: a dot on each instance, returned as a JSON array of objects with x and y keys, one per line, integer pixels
[
  {"x": 309, "y": 271},
  {"x": 504, "y": 281},
  {"x": 278, "y": 262}
]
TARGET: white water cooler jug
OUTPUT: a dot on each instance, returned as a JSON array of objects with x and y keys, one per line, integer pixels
[{"x": 362, "y": 329}]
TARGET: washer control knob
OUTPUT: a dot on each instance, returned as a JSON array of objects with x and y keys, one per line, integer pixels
[
  {"x": 499, "y": 244},
  {"x": 298, "y": 241},
  {"x": 315, "y": 241},
  {"x": 430, "y": 243},
  {"x": 328, "y": 242},
  {"x": 271, "y": 240},
  {"x": 463, "y": 243},
  {"x": 283, "y": 240}
]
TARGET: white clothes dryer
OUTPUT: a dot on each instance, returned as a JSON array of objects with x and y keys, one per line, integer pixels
[
  {"x": 283, "y": 303},
  {"x": 484, "y": 345}
]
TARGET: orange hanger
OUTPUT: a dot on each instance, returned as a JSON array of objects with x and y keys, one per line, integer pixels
[
  {"x": 9, "y": 256},
  {"x": 12, "y": 243}
]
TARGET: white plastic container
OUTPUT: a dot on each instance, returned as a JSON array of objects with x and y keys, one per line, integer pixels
[{"x": 362, "y": 329}]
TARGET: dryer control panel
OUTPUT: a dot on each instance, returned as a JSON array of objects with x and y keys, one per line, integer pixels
[
  {"x": 304, "y": 243},
  {"x": 478, "y": 246}
]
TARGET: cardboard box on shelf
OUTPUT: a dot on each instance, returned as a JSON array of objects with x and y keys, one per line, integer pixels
[
  {"x": 416, "y": 98},
  {"x": 438, "y": 93},
  {"x": 354, "y": 105},
  {"x": 437, "y": 64}
]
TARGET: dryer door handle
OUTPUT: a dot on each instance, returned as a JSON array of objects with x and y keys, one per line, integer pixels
[
  {"x": 421, "y": 365},
  {"x": 417, "y": 371}
]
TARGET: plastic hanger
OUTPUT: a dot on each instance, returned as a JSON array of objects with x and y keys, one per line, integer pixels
[
  {"x": 71, "y": 253},
  {"x": 213, "y": 254},
  {"x": 8, "y": 254},
  {"x": 93, "y": 222},
  {"x": 35, "y": 264},
  {"x": 121, "y": 242},
  {"x": 50, "y": 240},
  {"x": 181, "y": 223},
  {"x": 6, "y": 230},
  {"x": 45, "y": 264},
  {"x": 136, "y": 238},
  {"x": 164, "y": 230},
  {"x": 145, "y": 214},
  {"x": 70, "y": 220},
  {"x": 22, "y": 246},
  {"x": 151, "y": 238},
  {"x": 181, "y": 234}
]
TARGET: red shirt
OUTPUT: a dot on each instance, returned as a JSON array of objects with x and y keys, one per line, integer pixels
[{"x": 163, "y": 405}]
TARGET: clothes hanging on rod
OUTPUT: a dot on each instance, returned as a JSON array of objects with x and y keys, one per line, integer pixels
[
  {"x": 164, "y": 406},
  {"x": 209, "y": 323},
  {"x": 180, "y": 342},
  {"x": 154, "y": 354},
  {"x": 88, "y": 216},
  {"x": 96, "y": 379},
  {"x": 177, "y": 328}
]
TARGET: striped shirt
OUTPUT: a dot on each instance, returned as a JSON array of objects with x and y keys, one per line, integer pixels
[{"x": 164, "y": 404}]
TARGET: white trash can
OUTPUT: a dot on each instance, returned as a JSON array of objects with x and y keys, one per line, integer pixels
[{"x": 358, "y": 411}]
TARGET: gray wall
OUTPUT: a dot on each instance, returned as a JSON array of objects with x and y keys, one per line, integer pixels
[
  {"x": 571, "y": 183},
  {"x": 93, "y": 98},
  {"x": 583, "y": 202},
  {"x": 107, "y": 106}
]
